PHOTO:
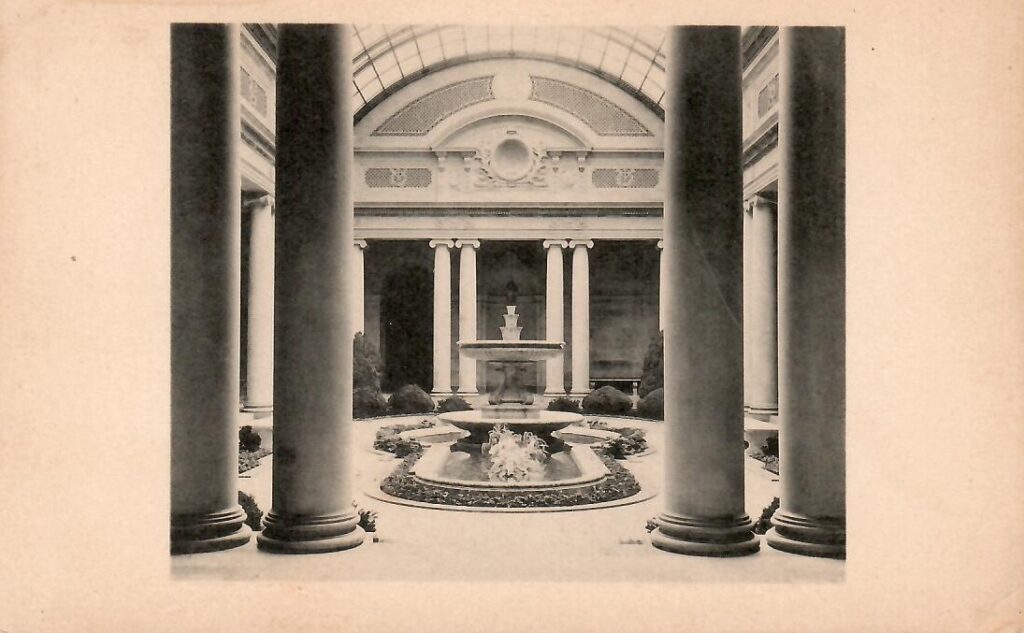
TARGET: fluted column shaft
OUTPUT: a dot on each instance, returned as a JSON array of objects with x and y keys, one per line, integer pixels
[
  {"x": 442, "y": 316},
  {"x": 580, "y": 316},
  {"x": 812, "y": 306},
  {"x": 760, "y": 309},
  {"x": 359, "y": 287},
  {"x": 467, "y": 312},
  {"x": 205, "y": 282},
  {"x": 703, "y": 493},
  {"x": 312, "y": 496},
  {"x": 554, "y": 316},
  {"x": 259, "y": 357}
]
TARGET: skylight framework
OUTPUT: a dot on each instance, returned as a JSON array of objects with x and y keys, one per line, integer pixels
[{"x": 388, "y": 57}]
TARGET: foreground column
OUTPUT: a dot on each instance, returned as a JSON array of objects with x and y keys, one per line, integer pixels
[
  {"x": 359, "y": 289},
  {"x": 442, "y": 316},
  {"x": 812, "y": 274},
  {"x": 580, "y": 316},
  {"x": 703, "y": 512},
  {"x": 467, "y": 312},
  {"x": 205, "y": 250},
  {"x": 259, "y": 357},
  {"x": 312, "y": 508},
  {"x": 760, "y": 317},
  {"x": 554, "y": 317}
]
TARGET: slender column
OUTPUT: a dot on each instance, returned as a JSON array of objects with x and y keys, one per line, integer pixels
[
  {"x": 467, "y": 312},
  {"x": 761, "y": 362},
  {"x": 812, "y": 305},
  {"x": 312, "y": 497},
  {"x": 580, "y": 316},
  {"x": 442, "y": 316},
  {"x": 661, "y": 285},
  {"x": 554, "y": 317},
  {"x": 259, "y": 357},
  {"x": 359, "y": 288},
  {"x": 205, "y": 251},
  {"x": 704, "y": 508}
]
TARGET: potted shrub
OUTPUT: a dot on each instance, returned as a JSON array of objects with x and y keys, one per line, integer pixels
[
  {"x": 410, "y": 399},
  {"x": 607, "y": 400}
]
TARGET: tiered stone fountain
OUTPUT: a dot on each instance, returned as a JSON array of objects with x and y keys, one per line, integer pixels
[{"x": 465, "y": 464}]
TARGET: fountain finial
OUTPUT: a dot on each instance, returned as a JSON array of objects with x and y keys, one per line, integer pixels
[{"x": 511, "y": 330}]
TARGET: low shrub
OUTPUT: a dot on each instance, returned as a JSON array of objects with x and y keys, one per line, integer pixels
[
  {"x": 763, "y": 523},
  {"x": 653, "y": 374},
  {"x": 367, "y": 519},
  {"x": 253, "y": 514},
  {"x": 562, "y": 403},
  {"x": 454, "y": 403},
  {"x": 607, "y": 400},
  {"x": 387, "y": 439},
  {"x": 652, "y": 405},
  {"x": 368, "y": 403},
  {"x": 366, "y": 363},
  {"x": 410, "y": 399},
  {"x": 629, "y": 442},
  {"x": 248, "y": 440}
]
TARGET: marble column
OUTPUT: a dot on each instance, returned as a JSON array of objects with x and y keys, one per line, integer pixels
[
  {"x": 259, "y": 357},
  {"x": 554, "y": 316},
  {"x": 467, "y": 312},
  {"x": 205, "y": 287},
  {"x": 812, "y": 304},
  {"x": 703, "y": 492},
  {"x": 661, "y": 285},
  {"x": 359, "y": 287},
  {"x": 442, "y": 317},
  {"x": 580, "y": 316},
  {"x": 312, "y": 479},
  {"x": 760, "y": 317}
]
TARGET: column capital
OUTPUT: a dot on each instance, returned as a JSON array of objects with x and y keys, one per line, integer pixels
[
  {"x": 265, "y": 201},
  {"x": 560, "y": 243},
  {"x": 469, "y": 243},
  {"x": 576, "y": 243},
  {"x": 360, "y": 244},
  {"x": 436, "y": 243},
  {"x": 661, "y": 245},
  {"x": 760, "y": 200}
]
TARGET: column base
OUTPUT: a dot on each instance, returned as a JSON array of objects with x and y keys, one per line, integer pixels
[
  {"x": 442, "y": 394},
  {"x": 823, "y": 538},
  {"x": 309, "y": 534},
  {"x": 258, "y": 408},
  {"x": 578, "y": 394},
  {"x": 705, "y": 537},
  {"x": 467, "y": 392},
  {"x": 761, "y": 411},
  {"x": 214, "y": 532},
  {"x": 554, "y": 394}
]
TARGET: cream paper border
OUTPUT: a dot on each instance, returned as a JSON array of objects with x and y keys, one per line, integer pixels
[{"x": 935, "y": 333}]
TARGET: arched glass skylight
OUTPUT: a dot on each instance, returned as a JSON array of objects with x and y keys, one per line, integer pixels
[{"x": 389, "y": 57}]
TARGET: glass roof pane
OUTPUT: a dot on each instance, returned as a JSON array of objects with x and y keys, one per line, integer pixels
[{"x": 385, "y": 55}]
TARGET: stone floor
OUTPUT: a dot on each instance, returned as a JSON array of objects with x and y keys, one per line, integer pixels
[{"x": 417, "y": 544}]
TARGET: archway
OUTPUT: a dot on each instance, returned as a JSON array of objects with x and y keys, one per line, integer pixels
[{"x": 407, "y": 322}]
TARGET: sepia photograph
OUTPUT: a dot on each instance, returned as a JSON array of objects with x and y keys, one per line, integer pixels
[{"x": 511, "y": 317}]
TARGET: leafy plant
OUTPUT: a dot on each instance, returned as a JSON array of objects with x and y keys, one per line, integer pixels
[
  {"x": 253, "y": 514},
  {"x": 770, "y": 446},
  {"x": 367, "y": 519},
  {"x": 367, "y": 400},
  {"x": 514, "y": 457},
  {"x": 248, "y": 440},
  {"x": 763, "y": 523},
  {"x": 630, "y": 441},
  {"x": 607, "y": 400},
  {"x": 562, "y": 403},
  {"x": 652, "y": 405},
  {"x": 368, "y": 403},
  {"x": 652, "y": 524},
  {"x": 454, "y": 403},
  {"x": 387, "y": 438},
  {"x": 410, "y": 399},
  {"x": 653, "y": 373}
]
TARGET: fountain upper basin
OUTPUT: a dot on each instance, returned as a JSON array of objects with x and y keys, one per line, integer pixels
[{"x": 511, "y": 351}]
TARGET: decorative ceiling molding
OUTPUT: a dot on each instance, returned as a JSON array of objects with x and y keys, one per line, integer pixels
[
  {"x": 603, "y": 116},
  {"x": 423, "y": 114}
]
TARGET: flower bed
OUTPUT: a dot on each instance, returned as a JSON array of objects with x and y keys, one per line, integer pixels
[
  {"x": 619, "y": 484},
  {"x": 388, "y": 440},
  {"x": 247, "y": 460}
]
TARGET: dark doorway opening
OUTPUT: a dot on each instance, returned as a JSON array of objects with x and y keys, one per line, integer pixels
[{"x": 407, "y": 319}]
